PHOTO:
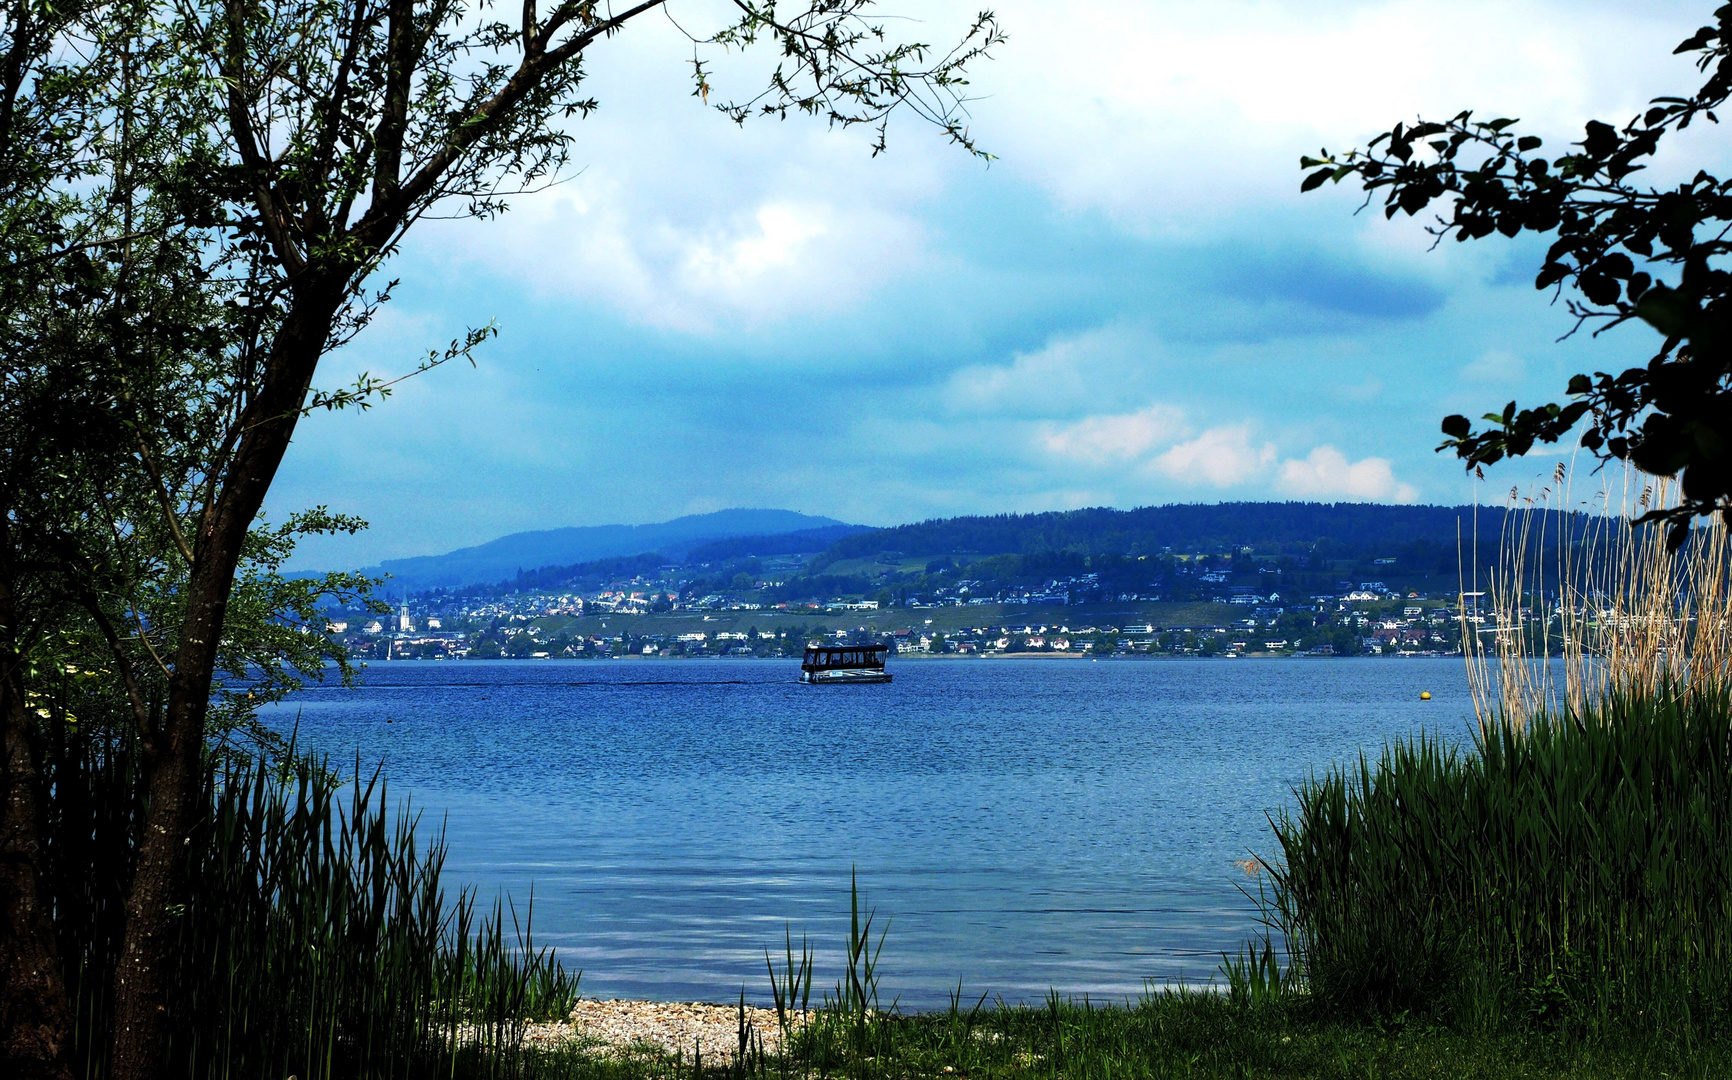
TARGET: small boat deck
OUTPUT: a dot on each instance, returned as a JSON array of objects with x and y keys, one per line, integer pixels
[{"x": 844, "y": 664}]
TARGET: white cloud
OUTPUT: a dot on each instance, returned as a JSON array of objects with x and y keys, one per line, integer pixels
[
  {"x": 764, "y": 262},
  {"x": 1496, "y": 366},
  {"x": 1146, "y": 443},
  {"x": 1327, "y": 474},
  {"x": 1115, "y": 438},
  {"x": 780, "y": 238},
  {"x": 1169, "y": 116},
  {"x": 1154, "y": 111},
  {"x": 1070, "y": 372},
  {"x": 676, "y": 218},
  {"x": 1220, "y": 457}
]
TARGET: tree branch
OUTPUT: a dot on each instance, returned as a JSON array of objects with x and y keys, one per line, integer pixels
[
  {"x": 394, "y": 117},
  {"x": 334, "y": 116},
  {"x": 271, "y": 216},
  {"x": 164, "y": 500},
  {"x": 379, "y": 223},
  {"x": 134, "y": 695},
  {"x": 61, "y": 253}
]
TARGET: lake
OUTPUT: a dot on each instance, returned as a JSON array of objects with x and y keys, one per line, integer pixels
[{"x": 1018, "y": 825}]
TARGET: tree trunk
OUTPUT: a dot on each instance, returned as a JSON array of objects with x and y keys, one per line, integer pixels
[
  {"x": 35, "y": 1023},
  {"x": 172, "y": 757}
]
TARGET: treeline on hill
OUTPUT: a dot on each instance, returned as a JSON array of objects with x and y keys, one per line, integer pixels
[
  {"x": 1170, "y": 553},
  {"x": 1330, "y": 529},
  {"x": 595, "y": 573},
  {"x": 598, "y": 572},
  {"x": 803, "y": 542},
  {"x": 1160, "y": 552}
]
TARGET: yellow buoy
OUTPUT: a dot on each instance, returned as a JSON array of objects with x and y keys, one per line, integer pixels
[{"x": 1425, "y": 695}]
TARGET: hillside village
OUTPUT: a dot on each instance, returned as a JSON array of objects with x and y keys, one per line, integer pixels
[
  {"x": 652, "y": 617},
  {"x": 1274, "y": 579}
]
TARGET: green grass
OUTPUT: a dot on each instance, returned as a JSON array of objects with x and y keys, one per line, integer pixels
[
  {"x": 1262, "y": 1023},
  {"x": 1574, "y": 874},
  {"x": 315, "y": 940},
  {"x": 1168, "y": 1035}
]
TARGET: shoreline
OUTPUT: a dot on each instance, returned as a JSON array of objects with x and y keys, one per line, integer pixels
[
  {"x": 906, "y": 658},
  {"x": 625, "y": 1027}
]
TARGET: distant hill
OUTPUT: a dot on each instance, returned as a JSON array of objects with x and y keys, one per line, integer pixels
[
  {"x": 1146, "y": 554},
  {"x": 1005, "y": 547},
  {"x": 502, "y": 559},
  {"x": 804, "y": 542},
  {"x": 598, "y": 571},
  {"x": 1335, "y": 528}
]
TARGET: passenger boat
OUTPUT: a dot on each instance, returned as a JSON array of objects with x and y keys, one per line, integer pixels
[{"x": 844, "y": 664}]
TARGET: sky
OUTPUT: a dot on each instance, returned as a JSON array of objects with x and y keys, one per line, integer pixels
[{"x": 1131, "y": 304}]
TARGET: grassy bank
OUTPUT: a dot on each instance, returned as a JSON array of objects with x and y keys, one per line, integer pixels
[
  {"x": 1641, "y": 1007},
  {"x": 1175, "y": 1036},
  {"x": 316, "y": 939},
  {"x": 1574, "y": 872}
]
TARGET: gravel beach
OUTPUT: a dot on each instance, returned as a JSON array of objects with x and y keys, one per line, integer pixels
[{"x": 659, "y": 1026}]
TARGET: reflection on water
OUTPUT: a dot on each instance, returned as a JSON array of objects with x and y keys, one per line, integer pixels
[{"x": 1021, "y": 824}]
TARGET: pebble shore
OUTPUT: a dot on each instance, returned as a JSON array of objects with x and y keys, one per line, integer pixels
[{"x": 625, "y": 1027}]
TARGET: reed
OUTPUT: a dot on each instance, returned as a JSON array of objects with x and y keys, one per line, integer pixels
[
  {"x": 1577, "y": 869},
  {"x": 316, "y": 941},
  {"x": 851, "y": 1025},
  {"x": 1572, "y": 866},
  {"x": 1162, "y": 1033},
  {"x": 1582, "y": 600}
]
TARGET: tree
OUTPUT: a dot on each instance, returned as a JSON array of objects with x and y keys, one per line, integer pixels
[
  {"x": 84, "y": 563},
  {"x": 35, "y": 153},
  {"x": 115, "y": 330},
  {"x": 294, "y": 144},
  {"x": 1622, "y": 251}
]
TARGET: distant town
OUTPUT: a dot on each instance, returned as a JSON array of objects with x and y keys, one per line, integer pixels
[{"x": 1199, "y": 605}]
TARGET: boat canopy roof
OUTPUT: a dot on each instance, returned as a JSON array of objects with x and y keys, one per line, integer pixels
[
  {"x": 846, "y": 648},
  {"x": 844, "y": 656}
]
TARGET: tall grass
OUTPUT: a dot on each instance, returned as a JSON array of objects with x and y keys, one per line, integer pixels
[
  {"x": 1573, "y": 864},
  {"x": 316, "y": 941},
  {"x": 851, "y": 1024},
  {"x": 1577, "y": 868},
  {"x": 1260, "y": 1028},
  {"x": 1581, "y": 604}
]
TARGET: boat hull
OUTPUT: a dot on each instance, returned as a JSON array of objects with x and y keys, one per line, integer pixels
[{"x": 844, "y": 675}]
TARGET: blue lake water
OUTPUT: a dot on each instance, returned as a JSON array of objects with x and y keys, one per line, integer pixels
[{"x": 1019, "y": 824}]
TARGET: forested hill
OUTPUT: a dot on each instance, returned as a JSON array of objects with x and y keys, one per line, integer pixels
[{"x": 1330, "y": 529}]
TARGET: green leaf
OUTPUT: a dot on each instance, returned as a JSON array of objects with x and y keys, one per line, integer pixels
[
  {"x": 1529, "y": 142},
  {"x": 1601, "y": 139},
  {"x": 1667, "y": 311},
  {"x": 1698, "y": 40},
  {"x": 1598, "y": 288},
  {"x": 1315, "y": 180}
]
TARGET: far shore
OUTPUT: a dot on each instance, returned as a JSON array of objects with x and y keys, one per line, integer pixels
[{"x": 900, "y": 658}]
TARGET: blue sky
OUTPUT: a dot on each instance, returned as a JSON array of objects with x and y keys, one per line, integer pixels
[{"x": 1132, "y": 305}]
